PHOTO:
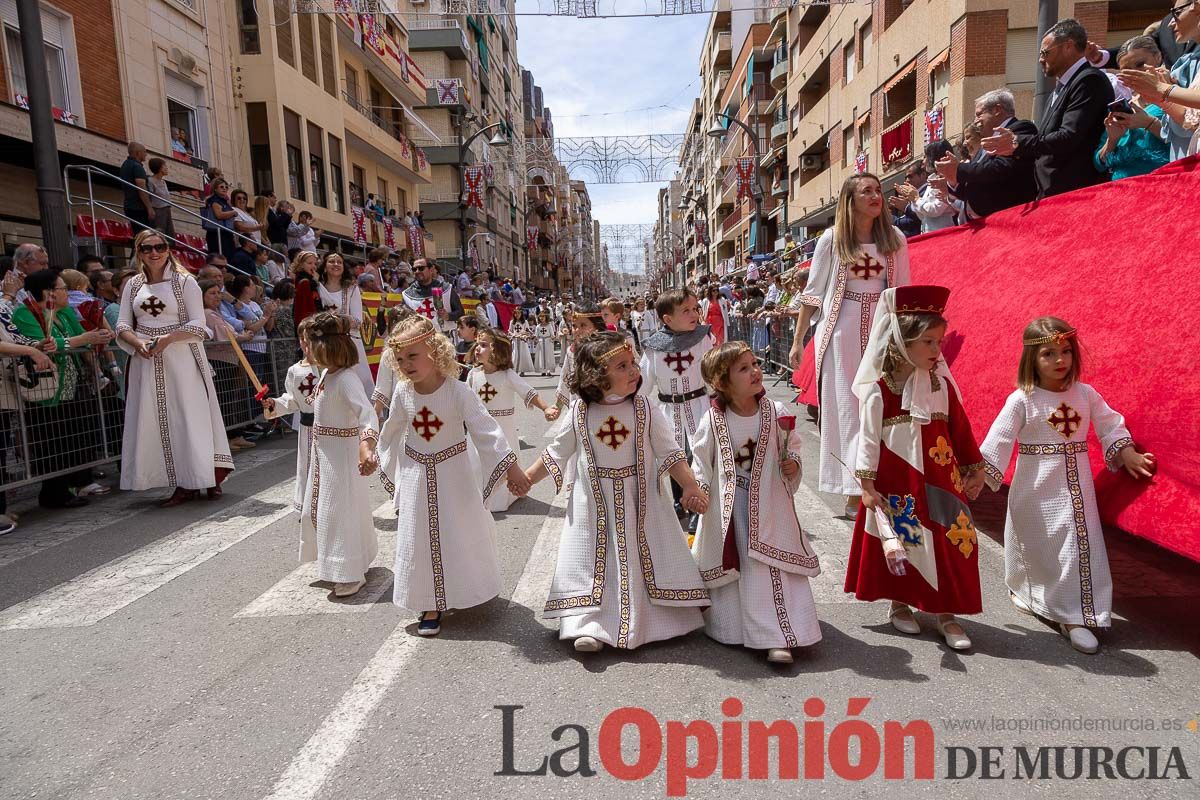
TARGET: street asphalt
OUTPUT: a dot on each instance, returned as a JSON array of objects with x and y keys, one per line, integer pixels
[{"x": 184, "y": 653}]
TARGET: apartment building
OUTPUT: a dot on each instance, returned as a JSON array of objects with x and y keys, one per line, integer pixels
[
  {"x": 555, "y": 260},
  {"x": 147, "y": 70},
  {"x": 862, "y": 79},
  {"x": 470, "y": 64},
  {"x": 665, "y": 267}
]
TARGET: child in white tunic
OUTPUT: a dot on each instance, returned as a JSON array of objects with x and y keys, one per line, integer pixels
[
  {"x": 544, "y": 361},
  {"x": 336, "y": 528},
  {"x": 584, "y": 322},
  {"x": 500, "y": 388},
  {"x": 446, "y": 540},
  {"x": 1055, "y": 563},
  {"x": 521, "y": 333},
  {"x": 624, "y": 574},
  {"x": 747, "y": 451},
  {"x": 299, "y": 391}
]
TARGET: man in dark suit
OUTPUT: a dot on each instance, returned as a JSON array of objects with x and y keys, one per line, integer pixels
[
  {"x": 1073, "y": 120},
  {"x": 989, "y": 183}
]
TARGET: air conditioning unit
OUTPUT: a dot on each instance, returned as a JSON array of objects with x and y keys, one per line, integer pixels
[{"x": 810, "y": 163}]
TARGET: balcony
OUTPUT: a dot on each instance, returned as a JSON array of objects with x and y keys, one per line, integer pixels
[
  {"x": 442, "y": 206},
  {"x": 896, "y": 142},
  {"x": 722, "y": 52},
  {"x": 718, "y": 87},
  {"x": 732, "y": 220},
  {"x": 439, "y": 34},
  {"x": 381, "y": 138},
  {"x": 432, "y": 99},
  {"x": 779, "y": 69},
  {"x": 779, "y": 132},
  {"x": 392, "y": 68}
]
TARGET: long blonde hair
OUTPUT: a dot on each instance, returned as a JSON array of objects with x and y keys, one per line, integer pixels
[
  {"x": 261, "y": 206},
  {"x": 845, "y": 242},
  {"x": 171, "y": 264},
  {"x": 299, "y": 259}
]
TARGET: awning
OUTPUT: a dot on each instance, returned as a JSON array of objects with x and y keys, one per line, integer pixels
[
  {"x": 940, "y": 59},
  {"x": 908, "y": 69},
  {"x": 863, "y": 119},
  {"x": 420, "y": 123}
]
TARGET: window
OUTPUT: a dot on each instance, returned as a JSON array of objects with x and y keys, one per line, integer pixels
[
  {"x": 295, "y": 155},
  {"x": 848, "y": 63},
  {"x": 336, "y": 177},
  {"x": 260, "y": 147},
  {"x": 402, "y": 201},
  {"x": 359, "y": 180},
  {"x": 328, "y": 70},
  {"x": 864, "y": 44},
  {"x": 382, "y": 193},
  {"x": 308, "y": 46},
  {"x": 284, "y": 45},
  {"x": 351, "y": 84},
  {"x": 848, "y": 145},
  {"x": 939, "y": 84},
  {"x": 248, "y": 26},
  {"x": 62, "y": 65},
  {"x": 316, "y": 165},
  {"x": 55, "y": 67},
  {"x": 187, "y": 115},
  {"x": 1021, "y": 57},
  {"x": 864, "y": 135}
]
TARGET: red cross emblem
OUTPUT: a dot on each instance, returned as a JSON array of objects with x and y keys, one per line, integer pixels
[
  {"x": 745, "y": 455},
  {"x": 153, "y": 306},
  {"x": 680, "y": 362},
  {"x": 866, "y": 268},
  {"x": 426, "y": 309},
  {"x": 612, "y": 433},
  {"x": 308, "y": 385},
  {"x": 426, "y": 424},
  {"x": 487, "y": 392},
  {"x": 1065, "y": 420}
]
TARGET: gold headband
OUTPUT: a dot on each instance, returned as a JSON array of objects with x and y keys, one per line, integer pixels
[
  {"x": 414, "y": 339},
  {"x": 1059, "y": 338},
  {"x": 616, "y": 351}
]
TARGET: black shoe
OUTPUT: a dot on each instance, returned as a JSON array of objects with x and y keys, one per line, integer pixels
[{"x": 430, "y": 626}]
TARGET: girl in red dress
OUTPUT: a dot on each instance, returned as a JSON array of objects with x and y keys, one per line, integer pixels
[
  {"x": 714, "y": 315},
  {"x": 914, "y": 539}
]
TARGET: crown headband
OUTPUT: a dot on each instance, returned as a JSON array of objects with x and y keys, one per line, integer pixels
[
  {"x": 1059, "y": 338},
  {"x": 414, "y": 339},
  {"x": 616, "y": 351}
]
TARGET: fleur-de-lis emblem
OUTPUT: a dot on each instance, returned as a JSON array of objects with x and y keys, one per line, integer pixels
[
  {"x": 962, "y": 534},
  {"x": 941, "y": 453}
]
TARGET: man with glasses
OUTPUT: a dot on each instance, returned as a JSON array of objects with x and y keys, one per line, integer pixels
[
  {"x": 1073, "y": 120},
  {"x": 988, "y": 183},
  {"x": 431, "y": 298}
]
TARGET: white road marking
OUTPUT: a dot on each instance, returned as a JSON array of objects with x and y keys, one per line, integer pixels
[
  {"x": 535, "y": 581},
  {"x": 295, "y": 595},
  {"x": 50, "y": 529},
  {"x": 103, "y": 591}
]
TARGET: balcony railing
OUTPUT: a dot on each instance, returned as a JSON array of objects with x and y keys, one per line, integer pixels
[
  {"x": 385, "y": 125},
  {"x": 732, "y": 219}
]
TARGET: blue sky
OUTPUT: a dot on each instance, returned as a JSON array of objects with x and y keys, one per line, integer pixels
[{"x": 601, "y": 66}]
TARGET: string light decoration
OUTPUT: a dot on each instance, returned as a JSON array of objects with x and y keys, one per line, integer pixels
[
  {"x": 628, "y": 247},
  {"x": 581, "y": 9}
]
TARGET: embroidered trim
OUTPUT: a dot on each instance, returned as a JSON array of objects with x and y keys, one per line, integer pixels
[
  {"x": 935, "y": 383},
  {"x": 500, "y": 469},
  {"x": 501, "y": 412},
  {"x": 710, "y": 575},
  {"x": 616, "y": 473},
  {"x": 623, "y": 551},
  {"x": 430, "y": 462},
  {"x": 972, "y": 467},
  {"x": 1068, "y": 448},
  {"x": 671, "y": 461},
  {"x": 388, "y": 486},
  {"x": 369, "y": 433},
  {"x": 530, "y": 397},
  {"x": 554, "y": 470},
  {"x": 1114, "y": 450},
  {"x": 902, "y": 419},
  {"x": 808, "y": 300},
  {"x": 891, "y": 384},
  {"x": 866, "y": 474},
  {"x": 342, "y": 433},
  {"x": 781, "y": 612},
  {"x": 742, "y": 482},
  {"x": 377, "y": 397},
  {"x": 221, "y": 458},
  {"x": 1082, "y": 542},
  {"x": 316, "y": 482},
  {"x": 164, "y": 427},
  {"x": 866, "y": 308},
  {"x": 993, "y": 473}
]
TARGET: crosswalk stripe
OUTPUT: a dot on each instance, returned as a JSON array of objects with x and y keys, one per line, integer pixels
[
  {"x": 294, "y": 594},
  {"x": 101, "y": 592},
  {"x": 534, "y": 585},
  {"x": 39, "y": 535}
]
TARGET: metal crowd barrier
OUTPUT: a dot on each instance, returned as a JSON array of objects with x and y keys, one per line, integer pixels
[
  {"x": 781, "y": 330},
  {"x": 40, "y": 439}
]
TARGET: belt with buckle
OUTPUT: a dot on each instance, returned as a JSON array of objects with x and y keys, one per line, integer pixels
[
  {"x": 307, "y": 419},
  {"x": 681, "y": 398}
]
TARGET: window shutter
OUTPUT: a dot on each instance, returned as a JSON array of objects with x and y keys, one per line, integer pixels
[
  {"x": 308, "y": 46},
  {"x": 284, "y": 44},
  {"x": 328, "y": 70},
  {"x": 1021, "y": 57}
]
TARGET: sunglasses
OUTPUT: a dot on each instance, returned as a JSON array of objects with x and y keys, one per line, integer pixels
[
  {"x": 1179, "y": 10},
  {"x": 161, "y": 247},
  {"x": 1047, "y": 50}
]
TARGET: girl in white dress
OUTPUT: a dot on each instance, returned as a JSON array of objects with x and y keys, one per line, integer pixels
[
  {"x": 584, "y": 322},
  {"x": 1055, "y": 563},
  {"x": 446, "y": 540},
  {"x": 521, "y": 333},
  {"x": 500, "y": 388},
  {"x": 173, "y": 435},
  {"x": 339, "y": 292},
  {"x": 336, "y": 528},
  {"x": 624, "y": 574},
  {"x": 544, "y": 361},
  {"x": 855, "y": 260},
  {"x": 748, "y": 452},
  {"x": 299, "y": 392}
]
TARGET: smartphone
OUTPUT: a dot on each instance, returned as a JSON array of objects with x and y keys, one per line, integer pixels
[{"x": 1120, "y": 106}]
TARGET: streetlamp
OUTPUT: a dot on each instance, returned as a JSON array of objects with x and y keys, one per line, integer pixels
[
  {"x": 717, "y": 132},
  {"x": 496, "y": 141},
  {"x": 687, "y": 200}
]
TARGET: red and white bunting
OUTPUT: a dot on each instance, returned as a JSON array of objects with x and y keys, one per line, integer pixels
[
  {"x": 935, "y": 125},
  {"x": 745, "y": 176},
  {"x": 860, "y": 161},
  {"x": 372, "y": 33},
  {"x": 360, "y": 224},
  {"x": 473, "y": 182},
  {"x": 389, "y": 233},
  {"x": 422, "y": 161},
  {"x": 405, "y": 148},
  {"x": 701, "y": 232},
  {"x": 489, "y": 174},
  {"x": 447, "y": 91},
  {"x": 416, "y": 241}
]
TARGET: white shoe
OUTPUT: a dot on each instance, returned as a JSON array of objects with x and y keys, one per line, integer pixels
[
  {"x": 852, "y": 503},
  {"x": 1020, "y": 604},
  {"x": 956, "y": 641},
  {"x": 902, "y": 619},
  {"x": 347, "y": 589},
  {"x": 586, "y": 644},
  {"x": 7, "y": 524},
  {"x": 779, "y": 655},
  {"x": 1081, "y": 638}
]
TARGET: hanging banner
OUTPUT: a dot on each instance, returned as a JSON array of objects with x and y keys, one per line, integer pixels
[
  {"x": 360, "y": 224},
  {"x": 895, "y": 145},
  {"x": 531, "y": 237},
  {"x": 422, "y": 161},
  {"x": 860, "y": 161},
  {"x": 416, "y": 241},
  {"x": 489, "y": 173},
  {"x": 447, "y": 91},
  {"x": 935, "y": 125},
  {"x": 701, "y": 232},
  {"x": 372, "y": 33},
  {"x": 405, "y": 148},
  {"x": 473, "y": 255},
  {"x": 389, "y": 234},
  {"x": 473, "y": 180},
  {"x": 745, "y": 175}
]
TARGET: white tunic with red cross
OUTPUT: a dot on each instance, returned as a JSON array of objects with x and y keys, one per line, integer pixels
[{"x": 677, "y": 374}]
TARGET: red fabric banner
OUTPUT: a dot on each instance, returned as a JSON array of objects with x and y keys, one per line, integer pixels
[
  {"x": 360, "y": 224},
  {"x": 389, "y": 234},
  {"x": 896, "y": 144},
  {"x": 416, "y": 241},
  {"x": 531, "y": 237},
  {"x": 745, "y": 176},
  {"x": 473, "y": 180}
]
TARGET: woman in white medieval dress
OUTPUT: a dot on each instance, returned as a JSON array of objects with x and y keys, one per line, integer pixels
[
  {"x": 173, "y": 435},
  {"x": 521, "y": 332},
  {"x": 855, "y": 260},
  {"x": 339, "y": 292},
  {"x": 544, "y": 333}
]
